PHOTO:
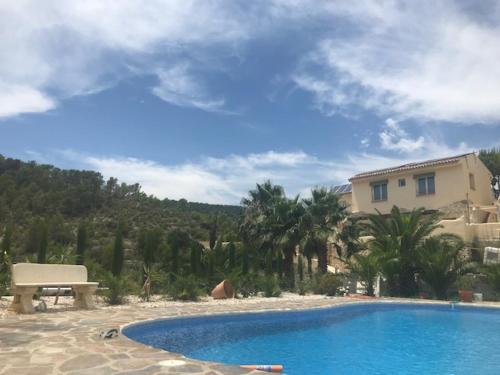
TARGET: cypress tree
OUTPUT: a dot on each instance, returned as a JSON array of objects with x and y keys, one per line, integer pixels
[
  {"x": 43, "y": 244},
  {"x": 6, "y": 241},
  {"x": 5, "y": 256},
  {"x": 232, "y": 256},
  {"x": 269, "y": 263},
  {"x": 245, "y": 262},
  {"x": 118, "y": 253},
  {"x": 195, "y": 259},
  {"x": 300, "y": 267},
  {"x": 81, "y": 243},
  {"x": 279, "y": 265}
]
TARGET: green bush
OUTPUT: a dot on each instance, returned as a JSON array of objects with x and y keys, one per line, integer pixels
[
  {"x": 4, "y": 282},
  {"x": 246, "y": 285},
  {"x": 269, "y": 285},
  {"x": 4, "y": 273},
  {"x": 328, "y": 284},
  {"x": 185, "y": 289},
  {"x": 118, "y": 288},
  {"x": 493, "y": 276},
  {"x": 304, "y": 287}
]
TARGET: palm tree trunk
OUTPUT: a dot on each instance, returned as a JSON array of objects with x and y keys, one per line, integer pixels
[
  {"x": 407, "y": 284},
  {"x": 322, "y": 252},
  {"x": 288, "y": 265}
]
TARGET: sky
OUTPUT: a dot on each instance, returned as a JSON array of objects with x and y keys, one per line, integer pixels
[{"x": 203, "y": 99}]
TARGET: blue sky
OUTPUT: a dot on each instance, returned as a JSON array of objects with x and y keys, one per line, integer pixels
[{"x": 202, "y": 99}]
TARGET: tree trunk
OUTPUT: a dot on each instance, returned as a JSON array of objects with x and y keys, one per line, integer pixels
[
  {"x": 288, "y": 265},
  {"x": 322, "y": 257},
  {"x": 407, "y": 284},
  {"x": 369, "y": 289}
]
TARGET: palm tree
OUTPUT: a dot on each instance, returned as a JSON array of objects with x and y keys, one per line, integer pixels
[
  {"x": 285, "y": 218},
  {"x": 403, "y": 232},
  {"x": 349, "y": 233},
  {"x": 439, "y": 263},
  {"x": 324, "y": 212},
  {"x": 260, "y": 227},
  {"x": 366, "y": 267}
]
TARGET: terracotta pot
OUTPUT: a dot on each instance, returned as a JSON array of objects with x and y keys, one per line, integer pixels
[
  {"x": 465, "y": 295},
  {"x": 424, "y": 295},
  {"x": 223, "y": 290}
]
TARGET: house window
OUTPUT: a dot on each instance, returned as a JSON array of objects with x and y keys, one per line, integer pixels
[
  {"x": 425, "y": 184},
  {"x": 401, "y": 182},
  {"x": 379, "y": 191},
  {"x": 472, "y": 181}
]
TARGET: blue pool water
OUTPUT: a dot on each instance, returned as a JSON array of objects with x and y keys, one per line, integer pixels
[{"x": 353, "y": 339}]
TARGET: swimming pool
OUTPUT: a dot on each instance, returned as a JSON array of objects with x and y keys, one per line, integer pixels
[{"x": 367, "y": 338}]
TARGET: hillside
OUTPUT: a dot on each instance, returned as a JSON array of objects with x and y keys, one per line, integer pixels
[{"x": 32, "y": 193}]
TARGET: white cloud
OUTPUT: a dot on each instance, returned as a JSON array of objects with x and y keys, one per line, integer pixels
[
  {"x": 394, "y": 138},
  {"x": 228, "y": 179},
  {"x": 429, "y": 61},
  {"x": 15, "y": 99},
  {"x": 57, "y": 49},
  {"x": 177, "y": 86}
]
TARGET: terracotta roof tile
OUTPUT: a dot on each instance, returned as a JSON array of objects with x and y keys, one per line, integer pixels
[{"x": 410, "y": 166}]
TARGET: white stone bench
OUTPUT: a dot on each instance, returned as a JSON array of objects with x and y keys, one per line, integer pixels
[{"x": 28, "y": 277}]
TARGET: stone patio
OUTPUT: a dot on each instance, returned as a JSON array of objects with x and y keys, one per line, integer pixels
[{"x": 68, "y": 342}]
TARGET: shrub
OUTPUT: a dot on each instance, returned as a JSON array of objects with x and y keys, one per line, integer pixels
[
  {"x": 118, "y": 289},
  {"x": 4, "y": 273},
  {"x": 493, "y": 276},
  {"x": 246, "y": 285},
  {"x": 328, "y": 284},
  {"x": 270, "y": 286},
  {"x": 304, "y": 287},
  {"x": 185, "y": 289}
]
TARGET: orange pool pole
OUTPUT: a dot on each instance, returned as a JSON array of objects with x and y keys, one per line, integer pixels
[{"x": 267, "y": 368}]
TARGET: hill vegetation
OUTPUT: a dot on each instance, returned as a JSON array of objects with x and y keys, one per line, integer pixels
[{"x": 44, "y": 201}]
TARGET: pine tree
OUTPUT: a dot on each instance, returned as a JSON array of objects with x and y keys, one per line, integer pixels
[{"x": 81, "y": 243}]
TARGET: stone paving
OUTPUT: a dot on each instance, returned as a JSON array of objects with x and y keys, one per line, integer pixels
[{"x": 68, "y": 342}]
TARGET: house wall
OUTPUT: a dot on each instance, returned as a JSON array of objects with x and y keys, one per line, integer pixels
[
  {"x": 347, "y": 199},
  {"x": 482, "y": 194},
  {"x": 450, "y": 187}
]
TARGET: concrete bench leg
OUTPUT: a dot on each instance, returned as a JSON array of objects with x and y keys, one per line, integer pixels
[
  {"x": 22, "y": 303},
  {"x": 84, "y": 296}
]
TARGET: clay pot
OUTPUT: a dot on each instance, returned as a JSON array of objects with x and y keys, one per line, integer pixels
[
  {"x": 465, "y": 295},
  {"x": 223, "y": 290}
]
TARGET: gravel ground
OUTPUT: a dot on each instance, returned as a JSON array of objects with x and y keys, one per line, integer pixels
[{"x": 65, "y": 303}]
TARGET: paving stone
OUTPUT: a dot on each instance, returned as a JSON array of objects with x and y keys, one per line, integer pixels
[
  {"x": 67, "y": 342},
  {"x": 83, "y": 362}
]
